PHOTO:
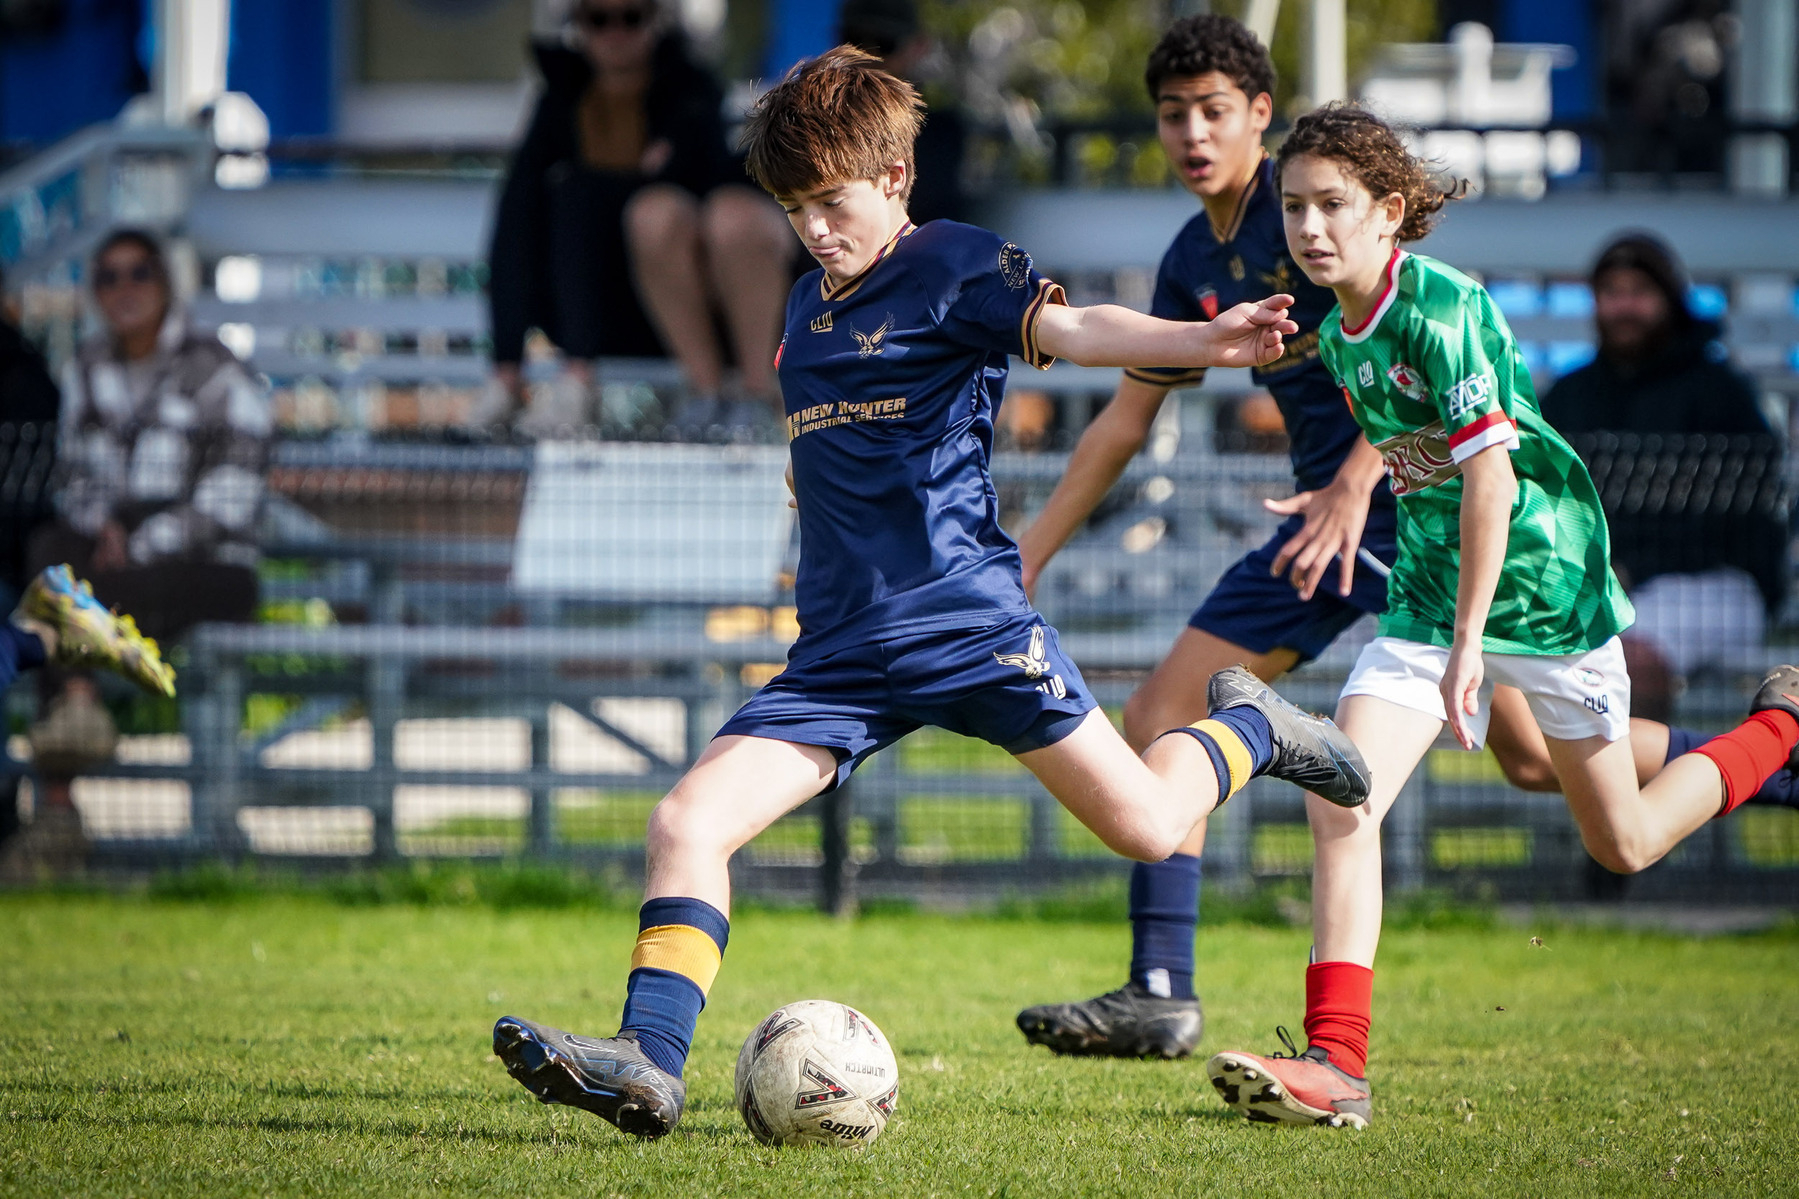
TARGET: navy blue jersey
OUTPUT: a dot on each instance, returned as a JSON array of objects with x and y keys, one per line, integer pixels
[
  {"x": 1203, "y": 274},
  {"x": 891, "y": 381}
]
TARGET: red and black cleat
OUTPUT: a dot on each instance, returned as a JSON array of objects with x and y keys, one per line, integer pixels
[{"x": 1291, "y": 1088}]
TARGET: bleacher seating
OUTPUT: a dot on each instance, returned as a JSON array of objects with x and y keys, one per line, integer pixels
[{"x": 361, "y": 301}]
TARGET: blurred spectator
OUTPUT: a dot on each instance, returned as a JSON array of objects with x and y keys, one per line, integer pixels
[
  {"x": 164, "y": 438},
  {"x": 624, "y": 177},
  {"x": 28, "y": 408},
  {"x": 1666, "y": 82},
  {"x": 891, "y": 31},
  {"x": 1702, "y": 581},
  {"x": 29, "y": 403}
]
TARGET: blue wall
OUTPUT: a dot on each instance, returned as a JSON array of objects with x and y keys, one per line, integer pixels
[
  {"x": 52, "y": 84},
  {"x": 798, "y": 29},
  {"x": 1571, "y": 23},
  {"x": 282, "y": 55}
]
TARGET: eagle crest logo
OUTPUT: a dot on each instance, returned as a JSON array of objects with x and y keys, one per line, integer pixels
[
  {"x": 870, "y": 344},
  {"x": 1035, "y": 664}
]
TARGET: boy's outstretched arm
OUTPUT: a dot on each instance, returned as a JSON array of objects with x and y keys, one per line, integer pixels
[{"x": 1109, "y": 335}]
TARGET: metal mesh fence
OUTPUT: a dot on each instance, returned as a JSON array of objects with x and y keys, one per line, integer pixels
[{"x": 497, "y": 651}]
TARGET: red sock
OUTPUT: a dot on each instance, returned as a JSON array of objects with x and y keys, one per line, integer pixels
[
  {"x": 1339, "y": 1005},
  {"x": 1750, "y": 753}
]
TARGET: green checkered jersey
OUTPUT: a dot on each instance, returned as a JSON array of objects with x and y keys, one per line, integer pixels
[{"x": 1434, "y": 377}]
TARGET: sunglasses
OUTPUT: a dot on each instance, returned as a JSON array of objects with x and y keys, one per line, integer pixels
[
  {"x": 108, "y": 277},
  {"x": 601, "y": 19}
]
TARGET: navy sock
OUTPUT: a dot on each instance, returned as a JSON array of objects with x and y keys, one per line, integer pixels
[
  {"x": 1683, "y": 741},
  {"x": 1249, "y": 724},
  {"x": 1239, "y": 742},
  {"x": 680, "y": 943},
  {"x": 1164, "y": 918},
  {"x": 19, "y": 650},
  {"x": 662, "y": 1007}
]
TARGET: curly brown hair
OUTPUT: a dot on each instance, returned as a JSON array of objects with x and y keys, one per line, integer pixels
[
  {"x": 1372, "y": 152},
  {"x": 834, "y": 118},
  {"x": 1202, "y": 44}
]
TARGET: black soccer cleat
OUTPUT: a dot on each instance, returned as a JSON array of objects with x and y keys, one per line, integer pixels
[
  {"x": 1310, "y": 751},
  {"x": 609, "y": 1077},
  {"x": 1128, "y": 1022}
]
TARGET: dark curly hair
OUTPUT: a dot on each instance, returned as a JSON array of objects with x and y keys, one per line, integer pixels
[
  {"x": 1371, "y": 151},
  {"x": 1202, "y": 44}
]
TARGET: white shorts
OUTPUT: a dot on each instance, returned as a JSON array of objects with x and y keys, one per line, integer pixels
[{"x": 1571, "y": 695}]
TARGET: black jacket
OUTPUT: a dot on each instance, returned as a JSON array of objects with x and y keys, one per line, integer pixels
[
  {"x": 1685, "y": 463},
  {"x": 1688, "y": 386},
  {"x": 684, "y": 108},
  {"x": 29, "y": 405}
]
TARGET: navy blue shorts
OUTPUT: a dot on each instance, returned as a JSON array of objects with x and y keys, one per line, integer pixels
[
  {"x": 1009, "y": 683},
  {"x": 1262, "y": 613}
]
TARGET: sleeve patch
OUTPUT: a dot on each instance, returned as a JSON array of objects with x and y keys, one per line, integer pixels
[
  {"x": 1014, "y": 267},
  {"x": 1468, "y": 395}
]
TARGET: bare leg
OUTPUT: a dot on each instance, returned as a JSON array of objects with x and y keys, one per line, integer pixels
[
  {"x": 1346, "y": 873},
  {"x": 712, "y": 813},
  {"x": 1624, "y": 828},
  {"x": 1142, "y": 808},
  {"x": 1523, "y": 753},
  {"x": 662, "y": 231},
  {"x": 748, "y": 247},
  {"x": 1175, "y": 694}
]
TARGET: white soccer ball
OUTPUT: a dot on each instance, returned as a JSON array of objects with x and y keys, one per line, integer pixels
[{"x": 816, "y": 1072}]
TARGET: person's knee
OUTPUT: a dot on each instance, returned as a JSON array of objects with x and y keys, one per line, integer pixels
[
  {"x": 682, "y": 826},
  {"x": 736, "y": 218},
  {"x": 1144, "y": 720},
  {"x": 1620, "y": 855},
  {"x": 660, "y": 217}
]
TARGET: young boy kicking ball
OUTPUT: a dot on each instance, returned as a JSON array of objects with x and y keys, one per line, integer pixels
[
  {"x": 1503, "y": 575},
  {"x": 911, "y": 607}
]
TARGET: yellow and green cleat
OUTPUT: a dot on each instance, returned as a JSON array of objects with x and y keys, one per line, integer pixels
[{"x": 86, "y": 634}]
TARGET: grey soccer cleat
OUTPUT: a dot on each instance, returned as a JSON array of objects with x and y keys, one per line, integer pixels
[
  {"x": 1310, "y": 751},
  {"x": 1128, "y": 1022},
  {"x": 609, "y": 1077},
  {"x": 1780, "y": 692}
]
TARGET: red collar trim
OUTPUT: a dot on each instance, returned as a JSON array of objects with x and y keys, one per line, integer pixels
[{"x": 1380, "y": 301}]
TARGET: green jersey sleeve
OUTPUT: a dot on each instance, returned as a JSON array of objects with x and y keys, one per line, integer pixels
[{"x": 1460, "y": 346}]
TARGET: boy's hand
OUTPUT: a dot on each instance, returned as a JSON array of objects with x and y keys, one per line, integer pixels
[
  {"x": 1461, "y": 689},
  {"x": 1250, "y": 333},
  {"x": 793, "y": 497},
  {"x": 1333, "y": 529}
]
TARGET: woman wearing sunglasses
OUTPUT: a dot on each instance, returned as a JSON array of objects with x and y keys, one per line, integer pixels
[
  {"x": 626, "y": 227},
  {"x": 162, "y": 444}
]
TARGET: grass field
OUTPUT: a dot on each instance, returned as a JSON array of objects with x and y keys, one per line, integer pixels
[{"x": 297, "y": 1046}]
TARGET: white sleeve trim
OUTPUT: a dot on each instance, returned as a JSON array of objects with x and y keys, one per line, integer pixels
[{"x": 1504, "y": 433}]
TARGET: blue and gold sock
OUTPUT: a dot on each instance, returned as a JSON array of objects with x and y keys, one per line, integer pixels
[
  {"x": 680, "y": 943},
  {"x": 1239, "y": 742},
  {"x": 1164, "y": 918}
]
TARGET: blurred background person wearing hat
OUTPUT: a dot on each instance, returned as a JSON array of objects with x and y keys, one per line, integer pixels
[{"x": 1703, "y": 582}]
